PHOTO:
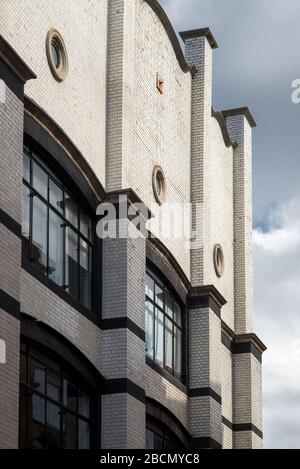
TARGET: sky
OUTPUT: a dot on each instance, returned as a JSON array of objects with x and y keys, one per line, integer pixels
[{"x": 258, "y": 59}]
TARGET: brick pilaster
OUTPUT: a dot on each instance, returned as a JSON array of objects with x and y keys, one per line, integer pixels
[
  {"x": 13, "y": 74},
  {"x": 123, "y": 339}
]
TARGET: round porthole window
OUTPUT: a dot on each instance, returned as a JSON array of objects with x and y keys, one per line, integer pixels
[
  {"x": 219, "y": 260},
  {"x": 57, "y": 55},
  {"x": 159, "y": 184}
]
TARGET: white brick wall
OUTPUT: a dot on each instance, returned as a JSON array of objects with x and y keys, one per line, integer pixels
[
  {"x": 161, "y": 390},
  {"x": 78, "y": 104},
  {"x": 44, "y": 305}
]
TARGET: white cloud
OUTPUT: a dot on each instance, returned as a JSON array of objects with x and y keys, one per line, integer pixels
[
  {"x": 277, "y": 321},
  {"x": 258, "y": 60}
]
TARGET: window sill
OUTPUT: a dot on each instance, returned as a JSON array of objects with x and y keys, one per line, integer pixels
[
  {"x": 178, "y": 384},
  {"x": 57, "y": 290}
]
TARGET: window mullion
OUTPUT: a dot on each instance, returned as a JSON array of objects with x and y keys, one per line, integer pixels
[
  {"x": 78, "y": 260},
  {"x": 164, "y": 331},
  {"x": 48, "y": 227}
]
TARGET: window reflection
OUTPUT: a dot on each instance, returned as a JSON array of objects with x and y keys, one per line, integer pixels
[
  {"x": 58, "y": 234},
  {"x": 164, "y": 334},
  {"x": 55, "y": 411}
]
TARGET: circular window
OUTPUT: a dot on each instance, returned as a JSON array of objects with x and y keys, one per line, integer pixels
[
  {"x": 219, "y": 260},
  {"x": 159, "y": 184},
  {"x": 57, "y": 55}
]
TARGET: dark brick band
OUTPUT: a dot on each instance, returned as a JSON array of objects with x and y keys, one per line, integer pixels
[
  {"x": 124, "y": 386},
  {"x": 242, "y": 427},
  {"x": 238, "y": 348},
  {"x": 205, "y": 392},
  {"x": 10, "y": 223},
  {"x": 123, "y": 323},
  {"x": 204, "y": 443},
  {"x": 9, "y": 304},
  {"x": 247, "y": 427}
]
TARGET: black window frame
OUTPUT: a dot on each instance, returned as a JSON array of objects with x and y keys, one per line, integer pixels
[
  {"x": 36, "y": 154},
  {"x": 161, "y": 432},
  {"x": 32, "y": 352},
  {"x": 165, "y": 287}
]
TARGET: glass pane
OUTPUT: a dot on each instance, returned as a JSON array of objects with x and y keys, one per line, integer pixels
[
  {"x": 38, "y": 408},
  {"x": 38, "y": 435},
  {"x": 25, "y": 212},
  {"x": 37, "y": 376},
  {"x": 83, "y": 404},
  {"x": 159, "y": 296},
  {"x": 149, "y": 439},
  {"x": 71, "y": 211},
  {"x": 53, "y": 385},
  {"x": 26, "y": 167},
  {"x": 149, "y": 329},
  {"x": 159, "y": 337},
  {"x": 178, "y": 352},
  {"x": 159, "y": 442},
  {"x": 39, "y": 180},
  {"x": 169, "y": 305},
  {"x": 69, "y": 431},
  {"x": 177, "y": 314},
  {"x": 56, "y": 196},
  {"x": 53, "y": 416},
  {"x": 83, "y": 435},
  {"x": 169, "y": 445},
  {"x": 85, "y": 225},
  {"x": 85, "y": 273},
  {"x": 149, "y": 290},
  {"x": 72, "y": 263},
  {"x": 70, "y": 395},
  {"x": 39, "y": 234},
  {"x": 169, "y": 343},
  {"x": 56, "y": 243}
]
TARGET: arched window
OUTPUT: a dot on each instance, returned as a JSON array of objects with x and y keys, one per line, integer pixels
[
  {"x": 164, "y": 327},
  {"x": 160, "y": 437},
  {"x": 56, "y": 229},
  {"x": 57, "y": 410},
  {"x": 163, "y": 429}
]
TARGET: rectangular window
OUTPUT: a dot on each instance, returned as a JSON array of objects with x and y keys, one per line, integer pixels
[
  {"x": 159, "y": 337},
  {"x": 56, "y": 196},
  {"x": 164, "y": 335},
  {"x": 159, "y": 296},
  {"x": 149, "y": 329},
  {"x": 56, "y": 246},
  {"x": 83, "y": 434},
  {"x": 57, "y": 234},
  {"x": 71, "y": 211},
  {"x": 169, "y": 344},
  {"x": 26, "y": 212},
  {"x": 72, "y": 263},
  {"x": 39, "y": 234},
  {"x": 39, "y": 180},
  {"x": 69, "y": 431},
  {"x": 149, "y": 287},
  {"x": 85, "y": 274},
  {"x": 26, "y": 167},
  {"x": 177, "y": 352},
  {"x": 85, "y": 226}
]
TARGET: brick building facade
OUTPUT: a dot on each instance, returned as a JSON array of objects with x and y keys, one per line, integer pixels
[{"x": 95, "y": 96}]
